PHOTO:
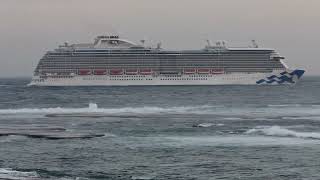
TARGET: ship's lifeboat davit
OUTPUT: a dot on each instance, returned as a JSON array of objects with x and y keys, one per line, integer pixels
[
  {"x": 146, "y": 71},
  {"x": 217, "y": 71},
  {"x": 203, "y": 71},
  {"x": 131, "y": 71},
  {"x": 100, "y": 72},
  {"x": 189, "y": 71},
  {"x": 116, "y": 71},
  {"x": 84, "y": 71}
]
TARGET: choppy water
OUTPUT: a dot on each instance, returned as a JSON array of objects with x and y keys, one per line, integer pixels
[{"x": 192, "y": 132}]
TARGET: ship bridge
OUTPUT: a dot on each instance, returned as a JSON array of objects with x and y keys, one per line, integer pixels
[
  {"x": 112, "y": 42},
  {"x": 102, "y": 42}
]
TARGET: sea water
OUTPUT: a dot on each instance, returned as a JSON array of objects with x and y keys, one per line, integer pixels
[{"x": 160, "y": 132}]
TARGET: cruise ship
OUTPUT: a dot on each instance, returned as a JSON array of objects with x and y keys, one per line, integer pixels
[{"x": 113, "y": 61}]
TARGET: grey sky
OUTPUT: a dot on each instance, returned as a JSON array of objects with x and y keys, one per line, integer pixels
[{"x": 28, "y": 28}]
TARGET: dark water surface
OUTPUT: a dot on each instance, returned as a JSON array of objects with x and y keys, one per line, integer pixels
[{"x": 192, "y": 132}]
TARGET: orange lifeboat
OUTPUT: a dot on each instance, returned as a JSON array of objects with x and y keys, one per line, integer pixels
[
  {"x": 203, "y": 71},
  {"x": 189, "y": 71},
  {"x": 84, "y": 71},
  {"x": 116, "y": 71},
  {"x": 131, "y": 71},
  {"x": 146, "y": 71},
  {"x": 100, "y": 72}
]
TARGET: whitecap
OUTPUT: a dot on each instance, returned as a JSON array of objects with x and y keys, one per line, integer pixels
[
  {"x": 145, "y": 177},
  {"x": 109, "y": 135},
  {"x": 208, "y": 124},
  {"x": 232, "y": 118},
  {"x": 205, "y": 125},
  {"x": 10, "y": 174},
  {"x": 231, "y": 113},
  {"x": 282, "y": 132},
  {"x": 219, "y": 124},
  {"x": 230, "y": 140},
  {"x": 301, "y": 117},
  {"x": 284, "y": 105},
  {"x": 93, "y": 108}
]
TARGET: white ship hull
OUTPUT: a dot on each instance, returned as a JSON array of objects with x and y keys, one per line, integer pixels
[{"x": 274, "y": 78}]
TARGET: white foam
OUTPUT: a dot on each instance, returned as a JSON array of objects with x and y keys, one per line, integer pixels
[
  {"x": 230, "y": 140},
  {"x": 284, "y": 105},
  {"x": 109, "y": 135},
  {"x": 219, "y": 124},
  {"x": 209, "y": 124},
  {"x": 232, "y": 113},
  {"x": 301, "y": 117},
  {"x": 93, "y": 108},
  {"x": 145, "y": 177},
  {"x": 10, "y": 174},
  {"x": 232, "y": 118},
  {"x": 205, "y": 125},
  {"x": 282, "y": 132}
]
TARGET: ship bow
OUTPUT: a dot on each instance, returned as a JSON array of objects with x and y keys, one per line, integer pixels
[{"x": 285, "y": 77}]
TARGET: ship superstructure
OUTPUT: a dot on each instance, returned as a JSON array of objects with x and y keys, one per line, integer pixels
[{"x": 112, "y": 61}]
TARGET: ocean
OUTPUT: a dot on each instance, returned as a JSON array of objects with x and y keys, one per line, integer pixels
[{"x": 168, "y": 132}]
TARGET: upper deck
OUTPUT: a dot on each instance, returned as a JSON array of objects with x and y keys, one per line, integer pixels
[{"x": 114, "y": 44}]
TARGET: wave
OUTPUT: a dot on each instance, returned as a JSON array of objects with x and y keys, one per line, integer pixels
[
  {"x": 301, "y": 117},
  {"x": 145, "y": 177},
  {"x": 10, "y": 174},
  {"x": 15, "y": 132},
  {"x": 225, "y": 140},
  {"x": 284, "y": 105},
  {"x": 208, "y": 124},
  {"x": 282, "y": 132},
  {"x": 233, "y": 118},
  {"x": 93, "y": 108},
  {"x": 11, "y": 138},
  {"x": 229, "y": 113}
]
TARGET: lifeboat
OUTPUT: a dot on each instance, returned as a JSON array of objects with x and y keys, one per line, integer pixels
[
  {"x": 131, "y": 71},
  {"x": 217, "y": 71},
  {"x": 203, "y": 71},
  {"x": 84, "y": 71},
  {"x": 116, "y": 71},
  {"x": 189, "y": 71},
  {"x": 146, "y": 71},
  {"x": 100, "y": 72}
]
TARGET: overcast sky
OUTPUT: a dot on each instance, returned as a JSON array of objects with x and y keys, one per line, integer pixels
[{"x": 28, "y": 28}]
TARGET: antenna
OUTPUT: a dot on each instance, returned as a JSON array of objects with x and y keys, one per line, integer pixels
[
  {"x": 223, "y": 43},
  {"x": 142, "y": 41},
  {"x": 208, "y": 43},
  {"x": 159, "y": 45},
  {"x": 254, "y": 43}
]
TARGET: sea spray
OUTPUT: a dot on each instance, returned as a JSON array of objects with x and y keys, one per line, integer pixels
[{"x": 282, "y": 132}]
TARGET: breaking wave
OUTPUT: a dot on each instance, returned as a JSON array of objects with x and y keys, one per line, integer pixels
[
  {"x": 282, "y": 132},
  {"x": 229, "y": 113},
  {"x": 227, "y": 140},
  {"x": 284, "y": 105},
  {"x": 208, "y": 124},
  {"x": 10, "y": 174},
  {"x": 93, "y": 108},
  {"x": 301, "y": 117}
]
